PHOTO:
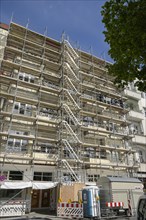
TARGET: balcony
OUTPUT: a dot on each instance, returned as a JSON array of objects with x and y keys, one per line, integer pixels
[
  {"x": 139, "y": 139},
  {"x": 132, "y": 94},
  {"x": 142, "y": 168},
  {"x": 135, "y": 115},
  {"x": 143, "y": 102}
]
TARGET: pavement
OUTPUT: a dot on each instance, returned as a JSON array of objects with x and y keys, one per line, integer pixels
[
  {"x": 36, "y": 216},
  {"x": 46, "y": 216},
  {"x": 33, "y": 216}
]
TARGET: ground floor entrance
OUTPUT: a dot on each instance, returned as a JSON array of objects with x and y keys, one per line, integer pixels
[{"x": 45, "y": 198}]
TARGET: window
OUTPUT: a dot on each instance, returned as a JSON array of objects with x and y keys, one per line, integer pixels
[
  {"x": 101, "y": 141},
  {"x": 141, "y": 156},
  {"x": 131, "y": 106},
  {"x": 16, "y": 193},
  {"x": 93, "y": 178},
  {"x": 45, "y": 148},
  {"x": 68, "y": 177},
  {"x": 26, "y": 79},
  {"x": 24, "y": 145},
  {"x": 16, "y": 106},
  {"x": 21, "y": 108},
  {"x": 21, "y": 77},
  {"x": 103, "y": 154},
  {"x": 32, "y": 80},
  {"x": 135, "y": 128},
  {"x": 15, "y": 175},
  {"x": 10, "y": 142},
  {"x": 39, "y": 176},
  {"x": 114, "y": 156},
  {"x": 17, "y": 145}
]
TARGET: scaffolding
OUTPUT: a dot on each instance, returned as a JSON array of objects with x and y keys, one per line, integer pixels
[{"x": 59, "y": 108}]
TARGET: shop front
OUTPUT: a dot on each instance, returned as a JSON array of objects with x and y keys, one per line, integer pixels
[
  {"x": 20, "y": 197},
  {"x": 45, "y": 198}
]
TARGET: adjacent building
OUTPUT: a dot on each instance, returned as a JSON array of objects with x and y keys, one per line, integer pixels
[{"x": 62, "y": 118}]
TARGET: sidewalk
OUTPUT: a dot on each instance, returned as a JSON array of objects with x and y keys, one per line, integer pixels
[{"x": 33, "y": 216}]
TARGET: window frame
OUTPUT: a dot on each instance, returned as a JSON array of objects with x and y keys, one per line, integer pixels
[{"x": 16, "y": 175}]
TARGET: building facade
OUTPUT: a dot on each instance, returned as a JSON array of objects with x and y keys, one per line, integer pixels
[
  {"x": 62, "y": 118},
  {"x": 136, "y": 102}
]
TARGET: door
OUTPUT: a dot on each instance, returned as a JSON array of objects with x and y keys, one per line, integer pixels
[
  {"x": 45, "y": 198},
  {"x": 35, "y": 199}
]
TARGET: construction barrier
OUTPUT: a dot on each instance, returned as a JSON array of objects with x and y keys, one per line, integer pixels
[
  {"x": 114, "y": 204},
  {"x": 13, "y": 208},
  {"x": 129, "y": 208},
  {"x": 70, "y": 210}
]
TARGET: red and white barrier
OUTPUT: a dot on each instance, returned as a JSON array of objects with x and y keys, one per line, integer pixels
[
  {"x": 70, "y": 210},
  {"x": 114, "y": 204},
  {"x": 70, "y": 205},
  {"x": 13, "y": 208}
]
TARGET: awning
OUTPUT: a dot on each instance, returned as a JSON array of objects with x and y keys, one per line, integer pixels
[
  {"x": 47, "y": 185},
  {"x": 15, "y": 185},
  {"x": 23, "y": 185}
]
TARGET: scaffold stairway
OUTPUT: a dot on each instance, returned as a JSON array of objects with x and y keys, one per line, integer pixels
[
  {"x": 71, "y": 62},
  {"x": 71, "y": 171},
  {"x": 71, "y": 72},
  {"x": 72, "y": 99},
  {"x": 71, "y": 115},
  {"x": 70, "y": 149},
  {"x": 71, "y": 50},
  {"x": 71, "y": 85},
  {"x": 71, "y": 132}
]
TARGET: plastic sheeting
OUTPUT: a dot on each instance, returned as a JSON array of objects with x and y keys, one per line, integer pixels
[
  {"x": 23, "y": 185},
  {"x": 40, "y": 185}
]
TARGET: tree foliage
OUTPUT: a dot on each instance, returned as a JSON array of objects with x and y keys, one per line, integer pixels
[{"x": 125, "y": 32}]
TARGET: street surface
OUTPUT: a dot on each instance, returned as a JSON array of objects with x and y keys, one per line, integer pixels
[{"x": 38, "y": 216}]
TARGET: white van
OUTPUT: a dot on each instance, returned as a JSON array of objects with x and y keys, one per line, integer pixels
[{"x": 141, "y": 208}]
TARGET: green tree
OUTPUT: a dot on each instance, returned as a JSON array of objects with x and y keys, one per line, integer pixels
[{"x": 125, "y": 32}]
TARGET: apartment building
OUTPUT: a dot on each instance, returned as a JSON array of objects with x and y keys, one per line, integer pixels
[
  {"x": 137, "y": 116},
  {"x": 62, "y": 118}
]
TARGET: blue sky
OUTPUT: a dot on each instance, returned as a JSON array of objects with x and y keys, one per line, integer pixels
[{"x": 79, "y": 19}]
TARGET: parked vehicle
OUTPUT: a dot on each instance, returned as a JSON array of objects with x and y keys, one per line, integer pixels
[
  {"x": 119, "y": 195},
  {"x": 141, "y": 208}
]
